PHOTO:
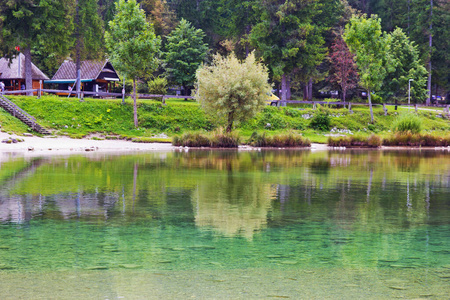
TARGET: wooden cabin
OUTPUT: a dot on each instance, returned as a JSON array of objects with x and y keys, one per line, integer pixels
[
  {"x": 13, "y": 75},
  {"x": 96, "y": 76}
]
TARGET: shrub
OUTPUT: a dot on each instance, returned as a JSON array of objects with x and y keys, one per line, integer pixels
[
  {"x": 407, "y": 123},
  {"x": 191, "y": 139},
  {"x": 221, "y": 139},
  {"x": 281, "y": 140},
  {"x": 320, "y": 120},
  {"x": 416, "y": 140},
  {"x": 372, "y": 141},
  {"x": 157, "y": 86}
]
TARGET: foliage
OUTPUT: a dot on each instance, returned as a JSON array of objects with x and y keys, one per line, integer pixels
[
  {"x": 184, "y": 53},
  {"x": 160, "y": 14},
  {"x": 232, "y": 89},
  {"x": 157, "y": 86},
  {"x": 320, "y": 120},
  {"x": 407, "y": 123},
  {"x": 408, "y": 66},
  {"x": 290, "y": 35},
  {"x": 343, "y": 67},
  {"x": 42, "y": 24},
  {"x": 364, "y": 39},
  {"x": 290, "y": 139},
  {"x": 373, "y": 141},
  {"x": 132, "y": 44},
  {"x": 417, "y": 140}
]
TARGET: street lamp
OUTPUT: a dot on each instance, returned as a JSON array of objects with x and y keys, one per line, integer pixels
[{"x": 409, "y": 90}]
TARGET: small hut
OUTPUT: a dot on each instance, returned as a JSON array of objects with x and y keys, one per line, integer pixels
[
  {"x": 96, "y": 76},
  {"x": 13, "y": 74}
]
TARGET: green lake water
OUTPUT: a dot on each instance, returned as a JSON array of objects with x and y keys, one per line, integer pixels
[{"x": 226, "y": 225}]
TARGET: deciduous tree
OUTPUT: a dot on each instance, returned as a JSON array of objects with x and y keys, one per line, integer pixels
[
  {"x": 365, "y": 40},
  {"x": 132, "y": 44},
  {"x": 343, "y": 67},
  {"x": 41, "y": 24},
  {"x": 231, "y": 90}
]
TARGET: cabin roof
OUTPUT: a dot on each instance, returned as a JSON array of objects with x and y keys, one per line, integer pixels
[
  {"x": 16, "y": 70},
  {"x": 90, "y": 70}
]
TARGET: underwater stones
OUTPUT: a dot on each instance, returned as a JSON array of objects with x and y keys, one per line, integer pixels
[
  {"x": 401, "y": 288},
  {"x": 96, "y": 268},
  {"x": 130, "y": 266}
]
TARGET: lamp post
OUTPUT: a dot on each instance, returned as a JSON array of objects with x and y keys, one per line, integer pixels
[{"x": 409, "y": 90}]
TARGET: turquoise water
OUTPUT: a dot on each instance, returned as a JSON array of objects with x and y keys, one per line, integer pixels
[{"x": 226, "y": 224}]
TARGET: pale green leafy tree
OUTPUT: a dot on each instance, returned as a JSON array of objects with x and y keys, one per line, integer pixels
[
  {"x": 132, "y": 44},
  {"x": 232, "y": 90},
  {"x": 365, "y": 40}
]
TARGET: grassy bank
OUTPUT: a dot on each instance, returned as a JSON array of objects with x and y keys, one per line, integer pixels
[{"x": 111, "y": 119}]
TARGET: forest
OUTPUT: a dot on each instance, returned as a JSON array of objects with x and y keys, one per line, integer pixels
[{"x": 303, "y": 43}]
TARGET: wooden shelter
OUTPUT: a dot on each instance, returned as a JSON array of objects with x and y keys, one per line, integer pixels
[
  {"x": 13, "y": 74},
  {"x": 96, "y": 76}
]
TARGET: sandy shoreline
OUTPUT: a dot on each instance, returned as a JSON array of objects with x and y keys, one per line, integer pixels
[{"x": 33, "y": 146}]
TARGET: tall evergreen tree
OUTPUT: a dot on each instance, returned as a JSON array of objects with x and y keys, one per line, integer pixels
[
  {"x": 407, "y": 66},
  {"x": 287, "y": 37},
  {"x": 184, "y": 53}
]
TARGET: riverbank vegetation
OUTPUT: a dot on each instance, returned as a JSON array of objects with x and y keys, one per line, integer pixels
[{"x": 109, "y": 119}]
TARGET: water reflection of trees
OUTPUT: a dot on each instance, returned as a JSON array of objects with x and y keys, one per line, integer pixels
[{"x": 231, "y": 191}]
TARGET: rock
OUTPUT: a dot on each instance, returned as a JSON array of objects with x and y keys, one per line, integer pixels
[
  {"x": 27, "y": 134},
  {"x": 97, "y": 268},
  {"x": 401, "y": 288},
  {"x": 130, "y": 266},
  {"x": 30, "y": 148}
]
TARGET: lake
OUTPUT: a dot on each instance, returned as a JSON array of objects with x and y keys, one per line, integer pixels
[{"x": 203, "y": 224}]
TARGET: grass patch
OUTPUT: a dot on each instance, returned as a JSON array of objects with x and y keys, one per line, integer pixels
[
  {"x": 111, "y": 119},
  {"x": 417, "y": 140},
  {"x": 407, "y": 123},
  {"x": 215, "y": 139},
  {"x": 279, "y": 140},
  {"x": 151, "y": 140},
  {"x": 357, "y": 141}
]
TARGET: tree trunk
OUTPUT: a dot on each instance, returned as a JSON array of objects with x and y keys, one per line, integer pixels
[
  {"x": 230, "y": 121},
  {"x": 78, "y": 50},
  {"x": 310, "y": 89},
  {"x": 305, "y": 92},
  {"x": 288, "y": 87},
  {"x": 135, "y": 104},
  {"x": 370, "y": 106},
  {"x": 28, "y": 71},
  {"x": 344, "y": 94},
  {"x": 283, "y": 90},
  {"x": 185, "y": 91},
  {"x": 430, "y": 39}
]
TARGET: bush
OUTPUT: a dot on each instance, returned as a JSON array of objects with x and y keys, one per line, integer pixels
[
  {"x": 191, "y": 139},
  {"x": 417, "y": 140},
  {"x": 372, "y": 141},
  {"x": 157, "y": 86},
  {"x": 320, "y": 120},
  {"x": 281, "y": 140},
  {"x": 407, "y": 123}
]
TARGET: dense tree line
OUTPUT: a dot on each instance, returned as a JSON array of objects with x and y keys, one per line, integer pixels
[{"x": 294, "y": 38}]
